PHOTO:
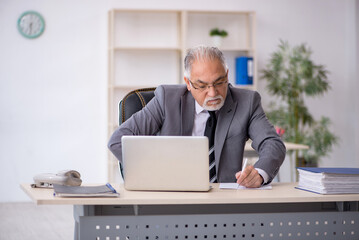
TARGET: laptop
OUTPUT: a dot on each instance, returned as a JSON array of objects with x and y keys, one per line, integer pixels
[{"x": 165, "y": 163}]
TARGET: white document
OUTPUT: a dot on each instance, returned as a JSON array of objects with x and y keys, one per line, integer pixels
[{"x": 237, "y": 186}]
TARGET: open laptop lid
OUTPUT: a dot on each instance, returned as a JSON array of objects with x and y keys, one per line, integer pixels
[{"x": 165, "y": 163}]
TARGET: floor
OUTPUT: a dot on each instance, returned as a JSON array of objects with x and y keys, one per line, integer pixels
[{"x": 29, "y": 221}]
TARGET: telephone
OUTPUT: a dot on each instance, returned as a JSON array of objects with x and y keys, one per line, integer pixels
[{"x": 65, "y": 177}]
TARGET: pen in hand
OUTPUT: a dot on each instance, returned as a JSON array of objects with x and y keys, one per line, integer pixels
[
  {"x": 244, "y": 165},
  {"x": 249, "y": 176}
]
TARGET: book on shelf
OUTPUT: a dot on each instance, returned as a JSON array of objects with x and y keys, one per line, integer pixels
[
  {"x": 85, "y": 191},
  {"x": 329, "y": 180},
  {"x": 244, "y": 70}
]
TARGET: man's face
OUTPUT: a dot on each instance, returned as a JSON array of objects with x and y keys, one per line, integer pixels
[{"x": 208, "y": 84}]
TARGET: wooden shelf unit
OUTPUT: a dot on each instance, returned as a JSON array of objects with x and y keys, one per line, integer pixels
[{"x": 146, "y": 48}]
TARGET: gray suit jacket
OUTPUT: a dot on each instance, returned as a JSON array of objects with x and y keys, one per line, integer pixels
[{"x": 171, "y": 113}]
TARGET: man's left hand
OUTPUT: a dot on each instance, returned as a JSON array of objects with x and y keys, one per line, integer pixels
[{"x": 249, "y": 178}]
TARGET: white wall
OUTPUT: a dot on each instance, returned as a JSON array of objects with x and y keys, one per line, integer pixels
[
  {"x": 53, "y": 89},
  {"x": 356, "y": 79},
  {"x": 53, "y": 94}
]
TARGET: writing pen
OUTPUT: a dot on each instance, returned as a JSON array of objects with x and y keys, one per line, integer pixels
[{"x": 244, "y": 164}]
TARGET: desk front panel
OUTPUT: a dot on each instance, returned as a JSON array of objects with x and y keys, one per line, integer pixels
[{"x": 242, "y": 221}]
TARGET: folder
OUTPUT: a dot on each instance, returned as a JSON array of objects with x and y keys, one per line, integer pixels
[{"x": 244, "y": 70}]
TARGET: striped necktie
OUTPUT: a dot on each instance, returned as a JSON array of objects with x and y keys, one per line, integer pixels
[{"x": 209, "y": 132}]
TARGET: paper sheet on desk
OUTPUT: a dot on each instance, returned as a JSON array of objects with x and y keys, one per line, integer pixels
[{"x": 237, "y": 186}]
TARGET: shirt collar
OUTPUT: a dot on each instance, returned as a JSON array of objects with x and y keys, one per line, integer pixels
[{"x": 199, "y": 108}]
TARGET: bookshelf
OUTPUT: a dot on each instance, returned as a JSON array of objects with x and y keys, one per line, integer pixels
[{"x": 146, "y": 48}]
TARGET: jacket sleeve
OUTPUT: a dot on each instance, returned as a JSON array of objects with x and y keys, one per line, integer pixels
[
  {"x": 266, "y": 142},
  {"x": 148, "y": 121}
]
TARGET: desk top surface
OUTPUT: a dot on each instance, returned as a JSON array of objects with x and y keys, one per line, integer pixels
[{"x": 280, "y": 193}]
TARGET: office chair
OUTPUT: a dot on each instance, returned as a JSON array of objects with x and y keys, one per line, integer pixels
[{"x": 133, "y": 102}]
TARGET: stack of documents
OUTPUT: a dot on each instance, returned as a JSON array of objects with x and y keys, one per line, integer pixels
[
  {"x": 329, "y": 180},
  {"x": 85, "y": 191}
]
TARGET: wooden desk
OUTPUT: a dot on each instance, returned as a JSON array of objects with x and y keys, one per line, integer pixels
[{"x": 281, "y": 213}]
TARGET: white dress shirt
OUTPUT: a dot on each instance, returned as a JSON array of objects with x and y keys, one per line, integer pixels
[{"x": 200, "y": 118}]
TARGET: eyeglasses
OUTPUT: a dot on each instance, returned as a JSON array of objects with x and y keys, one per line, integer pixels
[{"x": 221, "y": 82}]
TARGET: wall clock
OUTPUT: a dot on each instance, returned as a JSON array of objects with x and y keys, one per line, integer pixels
[{"x": 31, "y": 24}]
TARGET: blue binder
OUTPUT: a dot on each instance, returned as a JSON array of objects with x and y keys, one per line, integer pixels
[
  {"x": 344, "y": 171},
  {"x": 244, "y": 70}
]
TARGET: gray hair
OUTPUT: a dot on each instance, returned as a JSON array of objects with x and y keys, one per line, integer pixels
[{"x": 202, "y": 53}]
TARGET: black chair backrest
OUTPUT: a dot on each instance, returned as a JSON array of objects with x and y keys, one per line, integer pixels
[{"x": 133, "y": 102}]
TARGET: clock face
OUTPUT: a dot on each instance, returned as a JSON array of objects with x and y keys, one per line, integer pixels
[{"x": 31, "y": 24}]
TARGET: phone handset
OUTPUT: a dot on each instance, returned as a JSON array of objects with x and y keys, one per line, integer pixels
[
  {"x": 73, "y": 178},
  {"x": 65, "y": 177}
]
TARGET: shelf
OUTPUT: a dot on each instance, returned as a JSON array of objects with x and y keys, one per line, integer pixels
[
  {"x": 134, "y": 87},
  {"x": 142, "y": 68},
  {"x": 236, "y": 49},
  {"x": 122, "y": 10},
  {"x": 145, "y": 48},
  {"x": 145, "y": 28},
  {"x": 222, "y": 12},
  {"x": 250, "y": 87},
  {"x": 237, "y": 24},
  {"x": 130, "y": 87}
]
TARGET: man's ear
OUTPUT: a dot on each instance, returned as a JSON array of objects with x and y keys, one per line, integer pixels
[{"x": 187, "y": 83}]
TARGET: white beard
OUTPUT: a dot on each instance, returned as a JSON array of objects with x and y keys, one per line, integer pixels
[{"x": 213, "y": 107}]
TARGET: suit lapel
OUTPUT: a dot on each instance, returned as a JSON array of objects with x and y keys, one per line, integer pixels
[
  {"x": 187, "y": 114},
  {"x": 225, "y": 117}
]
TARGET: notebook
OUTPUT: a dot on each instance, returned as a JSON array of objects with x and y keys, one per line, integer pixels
[
  {"x": 165, "y": 163},
  {"x": 85, "y": 191}
]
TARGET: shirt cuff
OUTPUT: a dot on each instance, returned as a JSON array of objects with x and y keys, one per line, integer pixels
[{"x": 263, "y": 174}]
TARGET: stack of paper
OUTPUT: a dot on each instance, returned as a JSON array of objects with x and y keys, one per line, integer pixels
[
  {"x": 237, "y": 186},
  {"x": 329, "y": 180},
  {"x": 85, "y": 191}
]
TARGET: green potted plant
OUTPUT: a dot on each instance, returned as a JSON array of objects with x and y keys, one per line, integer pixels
[
  {"x": 291, "y": 76},
  {"x": 217, "y": 36}
]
